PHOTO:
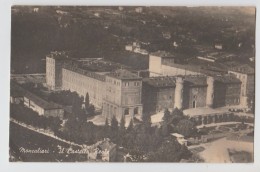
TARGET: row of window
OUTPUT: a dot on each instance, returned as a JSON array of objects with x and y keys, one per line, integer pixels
[{"x": 126, "y": 84}]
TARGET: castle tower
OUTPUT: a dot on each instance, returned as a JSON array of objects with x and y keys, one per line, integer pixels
[
  {"x": 210, "y": 91},
  {"x": 178, "y": 93},
  {"x": 53, "y": 71}
]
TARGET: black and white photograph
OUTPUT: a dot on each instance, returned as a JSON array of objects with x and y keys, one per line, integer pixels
[{"x": 136, "y": 84}]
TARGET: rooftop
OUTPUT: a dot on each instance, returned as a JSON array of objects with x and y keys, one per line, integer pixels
[
  {"x": 123, "y": 74},
  {"x": 99, "y": 65},
  {"x": 201, "y": 69},
  {"x": 163, "y": 81},
  {"x": 170, "y": 81},
  {"x": 58, "y": 55},
  {"x": 245, "y": 69},
  {"x": 42, "y": 103},
  {"x": 196, "y": 80},
  {"x": 227, "y": 79},
  {"x": 162, "y": 54},
  {"x": 74, "y": 66}
]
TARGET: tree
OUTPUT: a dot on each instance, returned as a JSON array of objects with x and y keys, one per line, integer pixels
[
  {"x": 251, "y": 102},
  {"x": 177, "y": 115},
  {"x": 106, "y": 129},
  {"x": 146, "y": 123},
  {"x": 86, "y": 101},
  {"x": 130, "y": 126},
  {"x": 158, "y": 137},
  {"x": 186, "y": 127},
  {"x": 165, "y": 130},
  {"x": 169, "y": 151},
  {"x": 122, "y": 124},
  {"x": 114, "y": 129},
  {"x": 122, "y": 131},
  {"x": 167, "y": 115},
  {"x": 91, "y": 109}
]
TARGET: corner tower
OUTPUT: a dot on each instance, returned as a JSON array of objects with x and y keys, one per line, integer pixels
[
  {"x": 210, "y": 91},
  {"x": 54, "y": 63},
  {"x": 179, "y": 93}
]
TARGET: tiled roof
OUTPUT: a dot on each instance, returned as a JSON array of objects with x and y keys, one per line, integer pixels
[
  {"x": 123, "y": 74},
  {"x": 227, "y": 79},
  {"x": 40, "y": 102},
  {"x": 73, "y": 66},
  {"x": 162, "y": 54},
  {"x": 195, "y": 80},
  {"x": 245, "y": 69},
  {"x": 162, "y": 81}
]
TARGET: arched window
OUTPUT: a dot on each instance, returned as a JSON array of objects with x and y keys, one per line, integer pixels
[{"x": 194, "y": 104}]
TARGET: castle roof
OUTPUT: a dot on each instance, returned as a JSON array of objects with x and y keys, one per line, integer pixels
[
  {"x": 195, "y": 80},
  {"x": 123, "y": 74},
  {"x": 74, "y": 66},
  {"x": 227, "y": 79},
  {"x": 162, "y": 81}
]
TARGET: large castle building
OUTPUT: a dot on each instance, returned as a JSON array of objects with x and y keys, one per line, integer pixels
[
  {"x": 162, "y": 63},
  {"x": 111, "y": 86},
  {"x": 190, "y": 91},
  {"x": 119, "y": 91}
]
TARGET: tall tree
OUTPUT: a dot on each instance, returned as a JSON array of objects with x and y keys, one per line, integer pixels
[
  {"x": 177, "y": 115},
  {"x": 186, "y": 128},
  {"x": 169, "y": 151},
  {"x": 122, "y": 124},
  {"x": 87, "y": 101},
  {"x": 130, "y": 126},
  {"x": 106, "y": 131},
  {"x": 114, "y": 129},
  {"x": 166, "y": 115}
]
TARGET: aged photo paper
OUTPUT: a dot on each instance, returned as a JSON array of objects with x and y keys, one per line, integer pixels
[{"x": 171, "y": 84}]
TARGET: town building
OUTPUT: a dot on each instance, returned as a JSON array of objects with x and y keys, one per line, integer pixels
[
  {"x": 158, "y": 93},
  {"x": 163, "y": 63},
  {"x": 16, "y": 96},
  {"x": 111, "y": 86},
  {"x": 54, "y": 63},
  {"x": 227, "y": 91},
  {"x": 118, "y": 90},
  {"x": 122, "y": 94},
  {"x": 246, "y": 74},
  {"x": 139, "y": 9},
  {"x": 189, "y": 91},
  {"x": 136, "y": 47},
  {"x": 42, "y": 107}
]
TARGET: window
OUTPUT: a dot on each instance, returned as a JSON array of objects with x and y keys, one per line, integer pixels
[
  {"x": 126, "y": 111},
  {"x": 136, "y": 110},
  {"x": 194, "y": 104},
  {"x": 136, "y": 83}
]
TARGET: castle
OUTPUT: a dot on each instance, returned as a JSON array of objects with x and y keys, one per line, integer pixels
[{"x": 118, "y": 90}]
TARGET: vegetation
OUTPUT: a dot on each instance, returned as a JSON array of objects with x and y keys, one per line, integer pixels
[
  {"x": 85, "y": 36},
  {"x": 29, "y": 117}
]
